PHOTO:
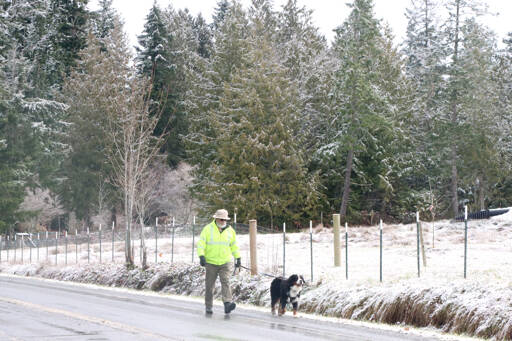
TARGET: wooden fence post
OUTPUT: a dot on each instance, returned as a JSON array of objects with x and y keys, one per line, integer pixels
[
  {"x": 253, "y": 229},
  {"x": 336, "y": 231}
]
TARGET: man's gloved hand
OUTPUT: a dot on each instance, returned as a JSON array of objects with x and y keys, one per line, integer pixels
[
  {"x": 202, "y": 260},
  {"x": 238, "y": 263}
]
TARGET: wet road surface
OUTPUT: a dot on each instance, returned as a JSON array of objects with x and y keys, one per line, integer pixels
[{"x": 33, "y": 309}]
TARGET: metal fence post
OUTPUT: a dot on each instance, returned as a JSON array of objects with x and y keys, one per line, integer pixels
[
  {"x": 193, "y": 232},
  {"x": 38, "y": 241},
  {"x": 156, "y": 240},
  {"x": 22, "y": 239},
  {"x": 76, "y": 246},
  {"x": 141, "y": 234},
  {"x": 172, "y": 242},
  {"x": 56, "y": 247},
  {"x": 88, "y": 246},
  {"x": 15, "y": 248},
  {"x": 311, "y": 246},
  {"x": 465, "y": 238},
  {"x": 284, "y": 249},
  {"x": 380, "y": 250},
  {"x": 30, "y": 247},
  {"x": 113, "y": 226},
  {"x": 433, "y": 233},
  {"x": 46, "y": 246},
  {"x": 66, "y": 247},
  {"x": 99, "y": 235},
  {"x": 7, "y": 246},
  {"x": 418, "y": 240},
  {"x": 346, "y": 250},
  {"x": 0, "y": 249}
]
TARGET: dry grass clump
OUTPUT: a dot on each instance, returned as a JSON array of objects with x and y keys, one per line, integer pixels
[
  {"x": 471, "y": 309},
  {"x": 454, "y": 310}
]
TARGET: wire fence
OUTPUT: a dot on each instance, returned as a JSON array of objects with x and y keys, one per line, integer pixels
[
  {"x": 169, "y": 243},
  {"x": 392, "y": 251}
]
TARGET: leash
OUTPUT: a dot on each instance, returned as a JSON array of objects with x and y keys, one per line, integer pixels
[
  {"x": 248, "y": 269},
  {"x": 262, "y": 273}
]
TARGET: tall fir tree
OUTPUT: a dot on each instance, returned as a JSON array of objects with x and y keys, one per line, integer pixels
[
  {"x": 103, "y": 20},
  {"x": 219, "y": 13},
  {"x": 303, "y": 50},
  {"x": 368, "y": 95},
  {"x": 157, "y": 60},
  {"x": 86, "y": 170},
  {"x": 31, "y": 127},
  {"x": 458, "y": 12},
  {"x": 501, "y": 192},
  {"x": 230, "y": 53},
  {"x": 482, "y": 123},
  {"x": 69, "y": 20},
  {"x": 424, "y": 50},
  {"x": 259, "y": 169},
  {"x": 203, "y": 36},
  {"x": 357, "y": 98}
]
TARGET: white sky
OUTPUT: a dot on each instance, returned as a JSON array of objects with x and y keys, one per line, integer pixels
[{"x": 327, "y": 14}]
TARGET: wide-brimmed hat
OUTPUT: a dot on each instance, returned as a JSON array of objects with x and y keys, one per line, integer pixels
[{"x": 221, "y": 214}]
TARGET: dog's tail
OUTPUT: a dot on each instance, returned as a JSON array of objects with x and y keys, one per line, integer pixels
[{"x": 276, "y": 283}]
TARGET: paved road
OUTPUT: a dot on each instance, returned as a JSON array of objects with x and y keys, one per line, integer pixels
[{"x": 32, "y": 309}]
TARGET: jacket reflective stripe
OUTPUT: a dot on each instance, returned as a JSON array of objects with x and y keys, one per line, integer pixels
[
  {"x": 217, "y": 247},
  {"x": 218, "y": 243},
  {"x": 211, "y": 242}
]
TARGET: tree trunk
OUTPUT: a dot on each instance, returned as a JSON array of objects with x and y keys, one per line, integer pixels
[
  {"x": 346, "y": 186},
  {"x": 143, "y": 257},
  {"x": 455, "y": 199},
  {"x": 481, "y": 195},
  {"x": 454, "y": 185},
  {"x": 114, "y": 215},
  {"x": 128, "y": 254}
]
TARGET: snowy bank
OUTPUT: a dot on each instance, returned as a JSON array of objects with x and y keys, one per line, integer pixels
[{"x": 475, "y": 309}]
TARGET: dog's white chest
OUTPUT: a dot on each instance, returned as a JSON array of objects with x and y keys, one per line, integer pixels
[{"x": 294, "y": 291}]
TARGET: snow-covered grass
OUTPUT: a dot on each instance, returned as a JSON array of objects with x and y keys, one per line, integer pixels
[{"x": 479, "y": 305}]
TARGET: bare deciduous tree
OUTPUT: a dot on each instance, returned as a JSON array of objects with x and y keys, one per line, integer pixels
[
  {"x": 146, "y": 195},
  {"x": 131, "y": 128}
]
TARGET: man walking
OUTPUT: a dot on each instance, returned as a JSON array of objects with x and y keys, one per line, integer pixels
[{"x": 215, "y": 248}]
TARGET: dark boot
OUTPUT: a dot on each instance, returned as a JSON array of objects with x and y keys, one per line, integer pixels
[{"x": 229, "y": 307}]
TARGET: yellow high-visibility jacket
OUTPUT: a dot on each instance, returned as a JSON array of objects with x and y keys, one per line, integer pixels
[{"x": 217, "y": 248}]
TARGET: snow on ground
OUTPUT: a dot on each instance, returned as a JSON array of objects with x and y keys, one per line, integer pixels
[{"x": 479, "y": 305}]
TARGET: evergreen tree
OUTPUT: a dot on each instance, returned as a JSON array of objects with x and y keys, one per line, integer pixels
[
  {"x": 219, "y": 13},
  {"x": 31, "y": 127},
  {"x": 69, "y": 20},
  {"x": 12, "y": 167},
  {"x": 86, "y": 170},
  {"x": 103, "y": 20},
  {"x": 481, "y": 153},
  {"x": 303, "y": 52},
  {"x": 370, "y": 95},
  {"x": 157, "y": 60},
  {"x": 259, "y": 169},
  {"x": 203, "y": 36},
  {"x": 25, "y": 27},
  {"x": 357, "y": 98},
  {"x": 230, "y": 53},
  {"x": 501, "y": 192},
  {"x": 424, "y": 50},
  {"x": 458, "y": 12}
]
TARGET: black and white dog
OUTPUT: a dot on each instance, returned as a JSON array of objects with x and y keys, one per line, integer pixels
[{"x": 284, "y": 290}]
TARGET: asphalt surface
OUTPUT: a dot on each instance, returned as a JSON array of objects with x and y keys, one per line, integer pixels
[{"x": 32, "y": 309}]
